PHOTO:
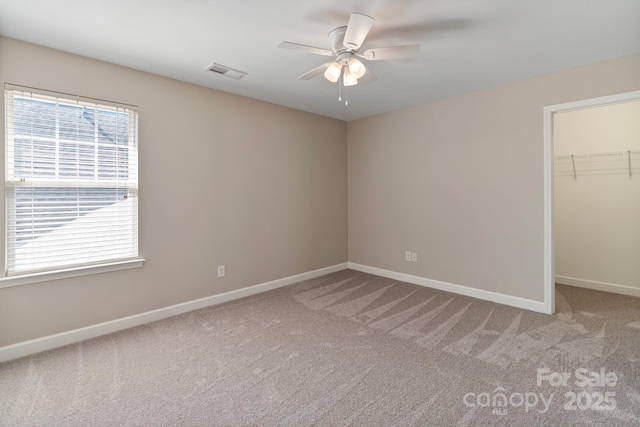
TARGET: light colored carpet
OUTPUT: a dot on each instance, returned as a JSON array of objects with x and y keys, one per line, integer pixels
[{"x": 345, "y": 349}]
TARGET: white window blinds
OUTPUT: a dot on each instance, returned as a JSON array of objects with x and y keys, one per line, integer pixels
[{"x": 71, "y": 181}]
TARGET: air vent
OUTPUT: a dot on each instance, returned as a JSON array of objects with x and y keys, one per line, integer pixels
[{"x": 226, "y": 71}]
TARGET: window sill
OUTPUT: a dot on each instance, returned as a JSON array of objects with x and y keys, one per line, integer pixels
[{"x": 46, "y": 276}]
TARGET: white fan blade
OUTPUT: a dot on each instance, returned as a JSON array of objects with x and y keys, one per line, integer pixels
[
  {"x": 315, "y": 72},
  {"x": 367, "y": 78},
  {"x": 305, "y": 48},
  {"x": 357, "y": 30},
  {"x": 409, "y": 51}
]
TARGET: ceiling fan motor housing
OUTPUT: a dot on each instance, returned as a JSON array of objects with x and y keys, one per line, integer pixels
[{"x": 336, "y": 38}]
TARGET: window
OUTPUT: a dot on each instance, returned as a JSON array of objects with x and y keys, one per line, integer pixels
[{"x": 71, "y": 181}]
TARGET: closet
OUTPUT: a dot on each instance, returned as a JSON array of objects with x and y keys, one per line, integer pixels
[{"x": 597, "y": 197}]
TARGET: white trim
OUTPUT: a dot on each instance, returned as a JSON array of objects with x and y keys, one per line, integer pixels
[
  {"x": 518, "y": 302},
  {"x": 548, "y": 245},
  {"x": 38, "y": 345},
  {"x": 46, "y": 276},
  {"x": 598, "y": 286},
  {"x": 549, "y": 294}
]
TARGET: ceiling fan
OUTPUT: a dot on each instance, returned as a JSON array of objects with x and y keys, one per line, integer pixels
[{"x": 346, "y": 42}]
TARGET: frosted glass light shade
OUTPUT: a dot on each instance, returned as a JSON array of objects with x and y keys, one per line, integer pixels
[
  {"x": 332, "y": 73},
  {"x": 349, "y": 79},
  {"x": 356, "y": 68}
]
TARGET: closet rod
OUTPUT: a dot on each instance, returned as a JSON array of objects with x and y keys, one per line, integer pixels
[{"x": 608, "y": 153}]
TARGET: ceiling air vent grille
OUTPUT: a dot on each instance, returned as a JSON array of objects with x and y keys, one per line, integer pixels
[{"x": 226, "y": 71}]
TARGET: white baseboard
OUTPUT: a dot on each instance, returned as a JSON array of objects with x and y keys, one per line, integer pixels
[
  {"x": 518, "y": 302},
  {"x": 598, "y": 286},
  {"x": 38, "y": 345}
]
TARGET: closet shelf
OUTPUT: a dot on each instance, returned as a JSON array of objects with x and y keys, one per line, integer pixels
[{"x": 627, "y": 153}]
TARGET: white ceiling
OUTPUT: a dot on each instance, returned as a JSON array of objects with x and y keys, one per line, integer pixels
[{"x": 466, "y": 45}]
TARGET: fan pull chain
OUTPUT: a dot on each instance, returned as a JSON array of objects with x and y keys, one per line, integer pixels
[
  {"x": 346, "y": 96},
  {"x": 339, "y": 90}
]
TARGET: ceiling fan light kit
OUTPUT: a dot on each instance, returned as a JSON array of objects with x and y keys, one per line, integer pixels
[
  {"x": 356, "y": 68},
  {"x": 333, "y": 72},
  {"x": 346, "y": 42},
  {"x": 349, "y": 79}
]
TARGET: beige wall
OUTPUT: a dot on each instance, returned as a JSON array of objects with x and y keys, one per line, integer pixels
[
  {"x": 596, "y": 216},
  {"x": 460, "y": 181},
  {"x": 224, "y": 179}
]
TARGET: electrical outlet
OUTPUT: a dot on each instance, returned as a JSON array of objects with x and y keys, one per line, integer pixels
[
  {"x": 414, "y": 257},
  {"x": 407, "y": 256},
  {"x": 221, "y": 271}
]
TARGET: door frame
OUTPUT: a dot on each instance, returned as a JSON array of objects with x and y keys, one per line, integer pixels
[{"x": 549, "y": 243}]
